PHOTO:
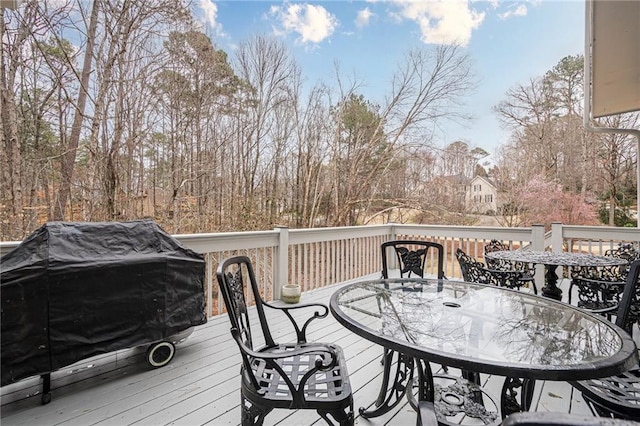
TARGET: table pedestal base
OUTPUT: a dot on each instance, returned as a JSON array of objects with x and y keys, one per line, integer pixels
[
  {"x": 551, "y": 289},
  {"x": 452, "y": 396},
  {"x": 456, "y": 397}
]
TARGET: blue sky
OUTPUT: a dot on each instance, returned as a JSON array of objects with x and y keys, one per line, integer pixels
[{"x": 509, "y": 42}]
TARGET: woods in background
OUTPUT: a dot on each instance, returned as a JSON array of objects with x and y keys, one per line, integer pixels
[{"x": 116, "y": 110}]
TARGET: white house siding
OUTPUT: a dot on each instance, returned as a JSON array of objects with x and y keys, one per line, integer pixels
[{"x": 482, "y": 195}]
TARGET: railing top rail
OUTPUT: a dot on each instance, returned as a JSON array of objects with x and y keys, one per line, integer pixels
[
  {"x": 301, "y": 236},
  {"x": 478, "y": 232},
  {"x": 204, "y": 243},
  {"x": 212, "y": 242},
  {"x": 599, "y": 233}
]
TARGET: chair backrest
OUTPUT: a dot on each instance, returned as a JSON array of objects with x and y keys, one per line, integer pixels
[
  {"x": 494, "y": 245},
  {"x": 471, "y": 269},
  {"x": 624, "y": 251},
  {"x": 475, "y": 272},
  {"x": 411, "y": 256},
  {"x": 627, "y": 252},
  {"x": 236, "y": 280},
  {"x": 629, "y": 307}
]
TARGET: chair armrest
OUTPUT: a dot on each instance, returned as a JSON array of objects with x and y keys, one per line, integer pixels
[
  {"x": 605, "y": 286},
  {"x": 308, "y": 349},
  {"x": 600, "y": 281},
  {"x": 597, "y": 292},
  {"x": 512, "y": 272},
  {"x": 301, "y": 333},
  {"x": 604, "y": 311}
]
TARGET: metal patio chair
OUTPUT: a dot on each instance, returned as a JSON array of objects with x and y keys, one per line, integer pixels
[
  {"x": 600, "y": 288},
  {"x": 411, "y": 258},
  {"x": 528, "y": 270},
  {"x": 476, "y": 272},
  {"x": 618, "y": 396},
  {"x": 298, "y": 375}
]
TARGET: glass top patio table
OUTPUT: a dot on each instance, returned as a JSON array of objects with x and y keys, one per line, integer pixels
[{"x": 484, "y": 328}]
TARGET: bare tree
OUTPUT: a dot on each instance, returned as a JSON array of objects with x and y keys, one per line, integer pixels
[
  {"x": 69, "y": 156},
  {"x": 548, "y": 137},
  {"x": 312, "y": 127},
  {"x": 428, "y": 88},
  {"x": 146, "y": 117},
  {"x": 14, "y": 38},
  {"x": 616, "y": 160},
  {"x": 266, "y": 65}
]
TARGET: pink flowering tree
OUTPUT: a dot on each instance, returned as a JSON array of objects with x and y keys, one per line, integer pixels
[{"x": 544, "y": 202}]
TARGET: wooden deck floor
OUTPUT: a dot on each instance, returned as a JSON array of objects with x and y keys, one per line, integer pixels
[{"x": 201, "y": 385}]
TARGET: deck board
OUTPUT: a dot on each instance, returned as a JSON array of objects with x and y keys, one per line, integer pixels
[{"x": 201, "y": 385}]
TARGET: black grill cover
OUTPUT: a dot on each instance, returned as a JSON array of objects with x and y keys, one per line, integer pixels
[{"x": 73, "y": 290}]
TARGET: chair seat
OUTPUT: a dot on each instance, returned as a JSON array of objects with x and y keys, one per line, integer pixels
[
  {"x": 325, "y": 389},
  {"x": 618, "y": 394}
]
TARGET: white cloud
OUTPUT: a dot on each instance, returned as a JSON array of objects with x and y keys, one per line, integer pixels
[
  {"x": 210, "y": 10},
  {"x": 313, "y": 23},
  {"x": 442, "y": 21},
  {"x": 521, "y": 10},
  {"x": 210, "y": 18},
  {"x": 363, "y": 17}
]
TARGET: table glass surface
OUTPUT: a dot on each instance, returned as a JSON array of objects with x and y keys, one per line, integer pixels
[
  {"x": 550, "y": 258},
  {"x": 493, "y": 329}
]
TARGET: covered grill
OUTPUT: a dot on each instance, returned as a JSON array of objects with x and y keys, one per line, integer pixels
[{"x": 74, "y": 290}]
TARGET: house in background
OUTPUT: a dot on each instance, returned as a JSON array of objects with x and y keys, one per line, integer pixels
[
  {"x": 449, "y": 192},
  {"x": 482, "y": 196}
]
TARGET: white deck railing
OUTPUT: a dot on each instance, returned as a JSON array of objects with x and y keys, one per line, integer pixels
[{"x": 323, "y": 256}]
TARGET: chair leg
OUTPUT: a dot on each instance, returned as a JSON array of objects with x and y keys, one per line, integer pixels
[
  {"x": 509, "y": 403},
  {"x": 343, "y": 417},
  {"x": 570, "y": 291},
  {"x": 253, "y": 414}
]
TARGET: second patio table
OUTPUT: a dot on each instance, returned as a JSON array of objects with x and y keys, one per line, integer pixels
[
  {"x": 479, "y": 328},
  {"x": 551, "y": 261}
]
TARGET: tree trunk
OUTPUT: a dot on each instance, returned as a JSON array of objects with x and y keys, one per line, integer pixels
[
  {"x": 69, "y": 157},
  {"x": 12, "y": 224}
]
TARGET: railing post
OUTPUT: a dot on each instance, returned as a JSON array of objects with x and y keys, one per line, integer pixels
[
  {"x": 210, "y": 274},
  {"x": 537, "y": 244},
  {"x": 557, "y": 237},
  {"x": 392, "y": 231},
  {"x": 281, "y": 264},
  {"x": 537, "y": 237}
]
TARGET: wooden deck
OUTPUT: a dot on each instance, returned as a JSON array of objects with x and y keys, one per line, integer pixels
[{"x": 201, "y": 385}]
